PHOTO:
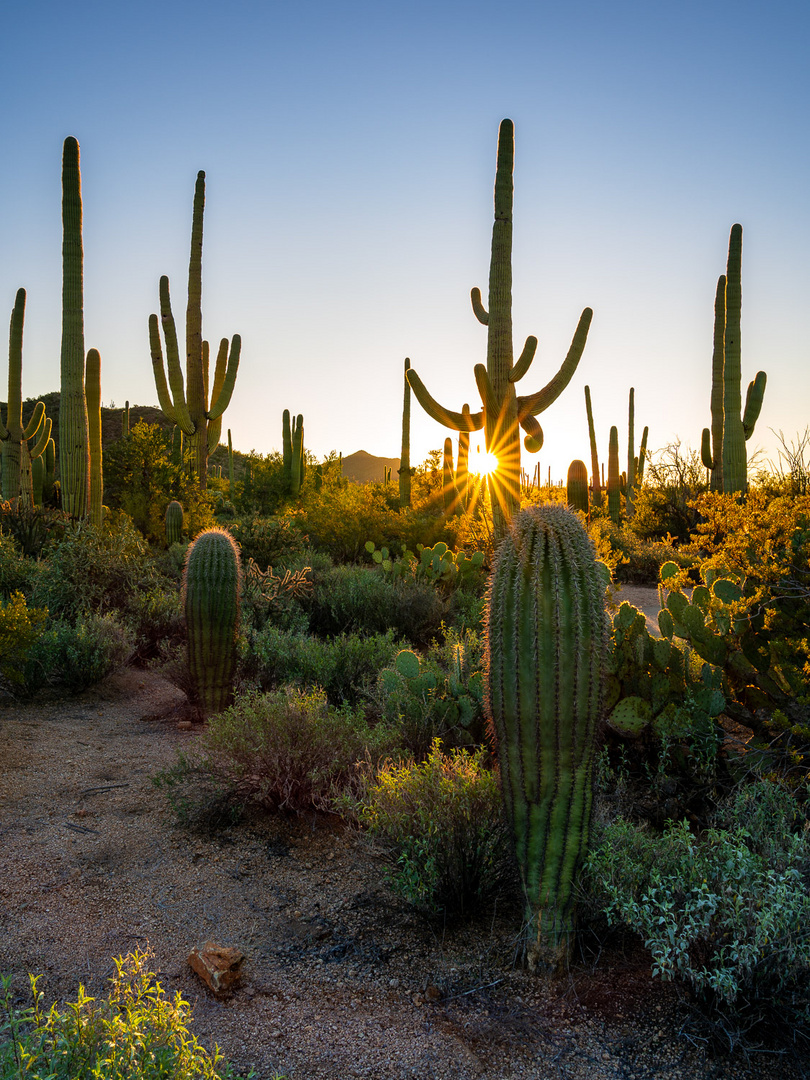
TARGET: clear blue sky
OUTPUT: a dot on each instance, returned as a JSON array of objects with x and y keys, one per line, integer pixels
[{"x": 349, "y": 149}]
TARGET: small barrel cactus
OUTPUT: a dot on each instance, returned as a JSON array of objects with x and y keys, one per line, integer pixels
[
  {"x": 174, "y": 522},
  {"x": 577, "y": 486},
  {"x": 546, "y": 633},
  {"x": 211, "y": 593}
]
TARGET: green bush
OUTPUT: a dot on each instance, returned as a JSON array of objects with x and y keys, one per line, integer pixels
[
  {"x": 360, "y": 600},
  {"x": 727, "y": 914},
  {"x": 31, "y": 526},
  {"x": 268, "y": 541},
  {"x": 632, "y": 558},
  {"x": 342, "y": 666},
  {"x": 76, "y": 656},
  {"x": 135, "y": 1033},
  {"x": 442, "y": 821},
  {"x": 20, "y": 629},
  {"x": 16, "y": 572},
  {"x": 94, "y": 569},
  {"x": 156, "y": 620},
  {"x": 290, "y": 750}
]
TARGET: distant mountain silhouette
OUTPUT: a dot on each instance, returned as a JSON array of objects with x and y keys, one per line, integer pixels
[{"x": 364, "y": 468}]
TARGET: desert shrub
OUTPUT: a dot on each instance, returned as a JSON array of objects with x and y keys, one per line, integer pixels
[
  {"x": 339, "y": 520},
  {"x": 442, "y": 822},
  {"x": 342, "y": 666},
  {"x": 268, "y": 541},
  {"x": 20, "y": 629},
  {"x": 290, "y": 750},
  {"x": 141, "y": 479},
  {"x": 134, "y": 1032},
  {"x": 437, "y": 696},
  {"x": 94, "y": 569},
  {"x": 31, "y": 526},
  {"x": 78, "y": 655},
  {"x": 631, "y": 558},
  {"x": 156, "y": 619},
  {"x": 16, "y": 572},
  {"x": 360, "y": 600},
  {"x": 726, "y": 914}
]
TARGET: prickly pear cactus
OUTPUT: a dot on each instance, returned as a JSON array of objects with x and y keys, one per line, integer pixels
[
  {"x": 211, "y": 594},
  {"x": 546, "y": 638}
]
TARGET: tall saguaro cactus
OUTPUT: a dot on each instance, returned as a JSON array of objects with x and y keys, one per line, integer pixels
[
  {"x": 724, "y": 445},
  {"x": 16, "y": 456},
  {"x": 405, "y": 456},
  {"x": 614, "y": 480},
  {"x": 503, "y": 412},
  {"x": 546, "y": 636},
  {"x": 74, "y": 439},
  {"x": 188, "y": 404},
  {"x": 597, "y": 487}
]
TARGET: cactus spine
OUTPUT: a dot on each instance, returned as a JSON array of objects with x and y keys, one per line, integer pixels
[
  {"x": 736, "y": 425},
  {"x": 597, "y": 487},
  {"x": 93, "y": 393},
  {"x": 174, "y": 522},
  {"x": 503, "y": 413},
  {"x": 405, "y": 456},
  {"x": 188, "y": 405},
  {"x": 211, "y": 593},
  {"x": 74, "y": 453},
  {"x": 613, "y": 480},
  {"x": 545, "y": 637},
  {"x": 577, "y": 486},
  {"x": 16, "y": 455}
]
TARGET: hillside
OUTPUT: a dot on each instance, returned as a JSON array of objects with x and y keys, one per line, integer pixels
[{"x": 364, "y": 468}]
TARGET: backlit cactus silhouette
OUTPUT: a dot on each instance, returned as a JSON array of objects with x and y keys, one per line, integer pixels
[
  {"x": 503, "y": 412},
  {"x": 16, "y": 454},
  {"x": 613, "y": 479},
  {"x": 597, "y": 485},
  {"x": 546, "y": 637},
  {"x": 188, "y": 403},
  {"x": 211, "y": 595},
  {"x": 405, "y": 456}
]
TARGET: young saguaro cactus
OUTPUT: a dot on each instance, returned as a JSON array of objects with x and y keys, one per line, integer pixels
[
  {"x": 174, "y": 522},
  {"x": 597, "y": 486},
  {"x": 577, "y": 486},
  {"x": 93, "y": 395},
  {"x": 503, "y": 411},
  {"x": 211, "y": 596},
  {"x": 16, "y": 454},
  {"x": 546, "y": 637},
  {"x": 614, "y": 480},
  {"x": 188, "y": 405}
]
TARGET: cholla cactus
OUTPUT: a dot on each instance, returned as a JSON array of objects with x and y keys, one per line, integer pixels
[
  {"x": 211, "y": 595},
  {"x": 546, "y": 639}
]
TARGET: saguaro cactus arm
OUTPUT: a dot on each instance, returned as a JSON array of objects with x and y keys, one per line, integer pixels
[
  {"x": 447, "y": 417},
  {"x": 225, "y": 376},
  {"x": 753, "y": 403},
  {"x": 539, "y": 402}
]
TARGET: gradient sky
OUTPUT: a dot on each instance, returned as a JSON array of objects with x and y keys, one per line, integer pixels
[{"x": 349, "y": 149}]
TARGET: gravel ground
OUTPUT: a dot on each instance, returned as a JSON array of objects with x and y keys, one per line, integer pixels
[{"x": 342, "y": 979}]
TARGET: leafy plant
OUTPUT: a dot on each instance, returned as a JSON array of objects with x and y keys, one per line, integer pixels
[
  {"x": 290, "y": 750},
  {"x": 443, "y": 822},
  {"x": 20, "y": 629},
  {"x": 134, "y": 1032},
  {"x": 78, "y": 655},
  {"x": 726, "y": 914}
]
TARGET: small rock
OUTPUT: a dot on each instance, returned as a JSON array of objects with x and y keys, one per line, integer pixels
[
  {"x": 219, "y": 966},
  {"x": 184, "y": 725}
]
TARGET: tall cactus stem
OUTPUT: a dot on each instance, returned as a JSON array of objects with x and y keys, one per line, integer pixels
[
  {"x": 405, "y": 454},
  {"x": 614, "y": 480},
  {"x": 74, "y": 438},
  {"x": 577, "y": 486},
  {"x": 93, "y": 395},
  {"x": 597, "y": 487}
]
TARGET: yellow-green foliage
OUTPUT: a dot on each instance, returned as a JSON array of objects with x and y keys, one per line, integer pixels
[
  {"x": 20, "y": 628},
  {"x": 443, "y": 818},
  {"x": 135, "y": 1032}
]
